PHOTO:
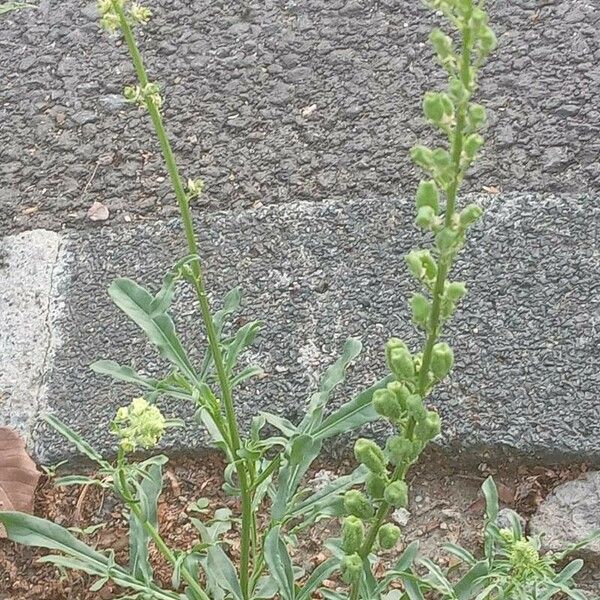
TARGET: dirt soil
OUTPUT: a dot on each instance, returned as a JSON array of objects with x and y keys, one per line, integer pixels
[{"x": 446, "y": 506}]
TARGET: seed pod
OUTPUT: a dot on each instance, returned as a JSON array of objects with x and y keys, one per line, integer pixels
[
  {"x": 458, "y": 92},
  {"x": 472, "y": 144},
  {"x": 445, "y": 239},
  {"x": 416, "y": 408},
  {"x": 477, "y": 115},
  {"x": 388, "y": 536},
  {"x": 401, "y": 364},
  {"x": 420, "y": 309},
  {"x": 386, "y": 404},
  {"x": 433, "y": 424},
  {"x": 428, "y": 195},
  {"x": 479, "y": 18},
  {"x": 392, "y": 344},
  {"x": 356, "y": 504},
  {"x": 353, "y": 533},
  {"x": 400, "y": 450},
  {"x": 441, "y": 43},
  {"x": 425, "y": 217},
  {"x": 375, "y": 486},
  {"x": 442, "y": 360},
  {"x": 422, "y": 156},
  {"x": 371, "y": 455},
  {"x": 470, "y": 214},
  {"x": 433, "y": 107},
  {"x": 400, "y": 391},
  {"x": 440, "y": 158},
  {"x": 487, "y": 40},
  {"x": 396, "y": 494},
  {"x": 455, "y": 291},
  {"x": 351, "y": 568}
]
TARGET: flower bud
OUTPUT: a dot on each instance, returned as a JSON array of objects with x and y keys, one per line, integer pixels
[
  {"x": 396, "y": 494},
  {"x": 370, "y": 454},
  {"x": 433, "y": 424},
  {"x": 400, "y": 450},
  {"x": 442, "y": 360},
  {"x": 353, "y": 533},
  {"x": 470, "y": 214},
  {"x": 401, "y": 364},
  {"x": 428, "y": 195},
  {"x": 433, "y": 107},
  {"x": 472, "y": 144},
  {"x": 375, "y": 486},
  {"x": 477, "y": 115},
  {"x": 416, "y": 408},
  {"x": 388, "y": 536},
  {"x": 455, "y": 291},
  {"x": 356, "y": 504},
  {"x": 386, "y": 404},
  {"x": 420, "y": 309},
  {"x": 400, "y": 391},
  {"x": 487, "y": 40},
  {"x": 422, "y": 156},
  {"x": 351, "y": 568},
  {"x": 425, "y": 217}
]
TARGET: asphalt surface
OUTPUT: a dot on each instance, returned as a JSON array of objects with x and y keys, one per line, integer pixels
[
  {"x": 526, "y": 339},
  {"x": 278, "y": 102}
]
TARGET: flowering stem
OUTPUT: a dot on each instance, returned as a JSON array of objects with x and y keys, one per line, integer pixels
[
  {"x": 160, "y": 544},
  {"x": 199, "y": 286}
]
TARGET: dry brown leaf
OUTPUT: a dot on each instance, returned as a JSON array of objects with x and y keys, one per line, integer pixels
[
  {"x": 98, "y": 212},
  {"x": 18, "y": 474}
]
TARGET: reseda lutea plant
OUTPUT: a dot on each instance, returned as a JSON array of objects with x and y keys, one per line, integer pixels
[{"x": 266, "y": 472}]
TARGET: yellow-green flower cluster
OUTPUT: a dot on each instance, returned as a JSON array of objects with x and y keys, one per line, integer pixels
[
  {"x": 109, "y": 13},
  {"x": 139, "y": 425}
]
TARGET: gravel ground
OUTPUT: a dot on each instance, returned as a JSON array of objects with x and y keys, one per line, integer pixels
[
  {"x": 276, "y": 101},
  {"x": 526, "y": 337}
]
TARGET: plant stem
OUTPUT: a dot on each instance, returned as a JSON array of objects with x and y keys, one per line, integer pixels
[
  {"x": 160, "y": 544},
  {"x": 443, "y": 267},
  {"x": 199, "y": 286}
]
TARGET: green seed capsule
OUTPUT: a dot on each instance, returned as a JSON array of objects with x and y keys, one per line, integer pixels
[
  {"x": 400, "y": 391},
  {"x": 357, "y": 504},
  {"x": 420, "y": 309},
  {"x": 396, "y": 494},
  {"x": 388, "y": 536},
  {"x": 470, "y": 214},
  {"x": 472, "y": 144},
  {"x": 487, "y": 40},
  {"x": 351, "y": 568},
  {"x": 434, "y": 424},
  {"x": 375, "y": 486},
  {"x": 353, "y": 533},
  {"x": 477, "y": 115},
  {"x": 416, "y": 408},
  {"x": 428, "y": 195},
  {"x": 442, "y": 360},
  {"x": 422, "y": 156},
  {"x": 400, "y": 450},
  {"x": 441, "y": 43},
  {"x": 446, "y": 239},
  {"x": 458, "y": 92},
  {"x": 455, "y": 291},
  {"x": 386, "y": 404},
  {"x": 441, "y": 158},
  {"x": 433, "y": 107},
  {"x": 401, "y": 364},
  {"x": 371, "y": 455},
  {"x": 425, "y": 217}
]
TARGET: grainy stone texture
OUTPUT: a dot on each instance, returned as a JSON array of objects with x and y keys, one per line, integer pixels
[
  {"x": 277, "y": 102},
  {"x": 526, "y": 338},
  {"x": 27, "y": 269},
  {"x": 569, "y": 514}
]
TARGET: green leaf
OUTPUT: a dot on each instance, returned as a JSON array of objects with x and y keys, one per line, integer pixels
[
  {"x": 231, "y": 303},
  {"x": 333, "y": 376},
  {"x": 247, "y": 373},
  {"x": 352, "y": 415},
  {"x": 136, "y": 303},
  {"x": 149, "y": 490},
  {"x": 279, "y": 563},
  {"x": 472, "y": 582},
  {"x": 461, "y": 553},
  {"x": 242, "y": 339},
  {"x": 6, "y": 7},
  {"x": 73, "y": 437},
  {"x": 320, "y": 573},
  {"x": 436, "y": 577},
  {"x": 223, "y": 571},
  {"x": 490, "y": 493},
  {"x": 123, "y": 373},
  {"x": 286, "y": 427},
  {"x": 75, "y": 480}
]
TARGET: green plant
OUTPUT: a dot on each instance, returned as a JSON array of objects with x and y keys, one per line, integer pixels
[
  {"x": 266, "y": 472},
  {"x": 512, "y": 567}
]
